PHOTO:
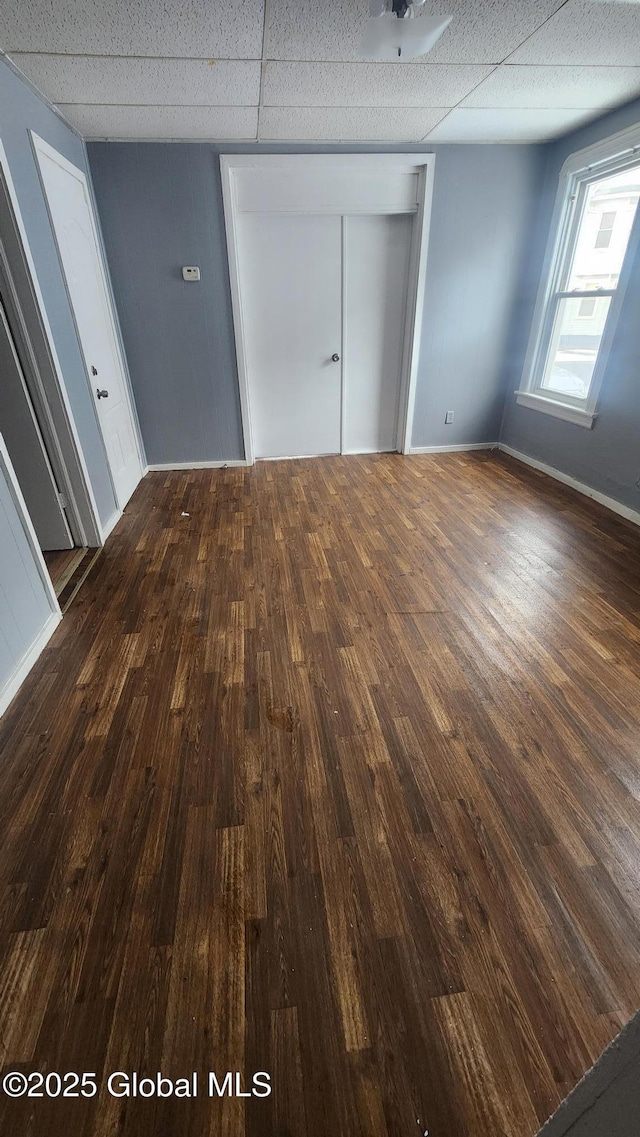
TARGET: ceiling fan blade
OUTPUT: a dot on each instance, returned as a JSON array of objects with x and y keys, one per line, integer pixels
[{"x": 386, "y": 38}]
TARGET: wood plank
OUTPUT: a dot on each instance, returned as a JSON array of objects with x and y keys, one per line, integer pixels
[{"x": 334, "y": 778}]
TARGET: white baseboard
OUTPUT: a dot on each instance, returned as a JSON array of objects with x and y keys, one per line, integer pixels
[
  {"x": 160, "y": 466},
  {"x": 296, "y": 457},
  {"x": 609, "y": 502},
  {"x": 195, "y": 465},
  {"x": 458, "y": 446},
  {"x": 110, "y": 525},
  {"x": 363, "y": 453},
  {"x": 10, "y": 688}
]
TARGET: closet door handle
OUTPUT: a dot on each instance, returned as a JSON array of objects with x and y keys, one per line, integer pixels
[{"x": 335, "y": 357}]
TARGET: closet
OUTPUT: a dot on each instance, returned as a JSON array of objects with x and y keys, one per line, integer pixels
[{"x": 325, "y": 270}]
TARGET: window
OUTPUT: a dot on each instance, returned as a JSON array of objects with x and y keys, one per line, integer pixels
[
  {"x": 603, "y": 236},
  {"x": 587, "y": 307},
  {"x": 594, "y": 218}
]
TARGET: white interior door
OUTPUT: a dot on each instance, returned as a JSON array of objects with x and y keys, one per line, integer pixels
[
  {"x": 73, "y": 223},
  {"x": 377, "y": 251},
  {"x": 291, "y": 269},
  {"x": 23, "y": 440}
]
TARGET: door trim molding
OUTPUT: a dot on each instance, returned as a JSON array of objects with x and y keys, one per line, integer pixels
[
  {"x": 23, "y": 667},
  {"x": 49, "y": 510},
  {"x": 15, "y": 681},
  {"x": 45, "y": 371},
  {"x": 344, "y": 280},
  {"x": 42, "y": 150},
  {"x": 7, "y": 470},
  {"x": 423, "y": 165}
]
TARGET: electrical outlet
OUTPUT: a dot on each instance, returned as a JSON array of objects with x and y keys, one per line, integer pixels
[
  {"x": 190, "y": 272},
  {"x": 448, "y": 417}
]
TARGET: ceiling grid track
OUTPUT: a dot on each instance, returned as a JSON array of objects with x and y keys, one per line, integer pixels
[{"x": 244, "y": 70}]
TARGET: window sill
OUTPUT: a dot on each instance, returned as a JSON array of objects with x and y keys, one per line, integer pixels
[{"x": 558, "y": 410}]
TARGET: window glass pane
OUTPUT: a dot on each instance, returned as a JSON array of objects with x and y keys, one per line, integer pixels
[
  {"x": 604, "y": 231},
  {"x": 574, "y": 346}
]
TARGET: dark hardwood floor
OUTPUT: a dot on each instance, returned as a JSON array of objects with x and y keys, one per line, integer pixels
[
  {"x": 61, "y": 564},
  {"x": 331, "y": 771}
]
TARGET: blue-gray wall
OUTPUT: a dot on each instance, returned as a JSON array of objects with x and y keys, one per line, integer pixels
[
  {"x": 161, "y": 207},
  {"x": 606, "y": 458},
  {"x": 606, "y": 1102},
  {"x": 20, "y": 111},
  {"x": 484, "y": 198}
]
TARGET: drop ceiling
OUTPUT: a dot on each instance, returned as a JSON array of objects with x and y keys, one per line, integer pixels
[{"x": 288, "y": 70}]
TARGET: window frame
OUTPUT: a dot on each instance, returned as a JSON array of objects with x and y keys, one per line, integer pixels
[{"x": 579, "y": 171}]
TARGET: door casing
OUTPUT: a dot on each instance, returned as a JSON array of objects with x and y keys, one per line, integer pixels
[
  {"x": 24, "y": 441},
  {"x": 43, "y": 372}
]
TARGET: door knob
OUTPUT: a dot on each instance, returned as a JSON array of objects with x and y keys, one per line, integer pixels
[
  {"x": 335, "y": 357},
  {"x": 102, "y": 394}
]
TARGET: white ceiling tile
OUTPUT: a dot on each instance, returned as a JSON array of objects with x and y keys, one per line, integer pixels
[
  {"x": 121, "y": 79},
  {"x": 482, "y": 31},
  {"x": 514, "y": 86},
  {"x": 486, "y": 31},
  {"x": 588, "y": 33},
  {"x": 367, "y": 84},
  {"x": 127, "y": 122},
  {"x": 506, "y": 125},
  {"x": 230, "y": 29},
  {"x": 311, "y": 29},
  {"x": 557, "y": 65},
  {"x": 348, "y": 124}
]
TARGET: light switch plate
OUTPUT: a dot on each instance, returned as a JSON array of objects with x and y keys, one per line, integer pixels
[{"x": 190, "y": 272}]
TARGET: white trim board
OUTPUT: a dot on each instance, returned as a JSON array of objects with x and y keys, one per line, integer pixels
[
  {"x": 306, "y": 457},
  {"x": 575, "y": 415},
  {"x": 55, "y": 404},
  {"x": 15, "y": 681},
  {"x": 276, "y": 171},
  {"x": 7, "y": 470},
  {"x": 566, "y": 479},
  {"x": 109, "y": 526},
  {"x": 155, "y": 466},
  {"x": 51, "y": 623},
  {"x": 623, "y": 142},
  {"x": 457, "y": 446}
]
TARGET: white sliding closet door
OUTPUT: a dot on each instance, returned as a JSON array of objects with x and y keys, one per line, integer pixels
[
  {"x": 291, "y": 267},
  {"x": 377, "y": 250}
]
